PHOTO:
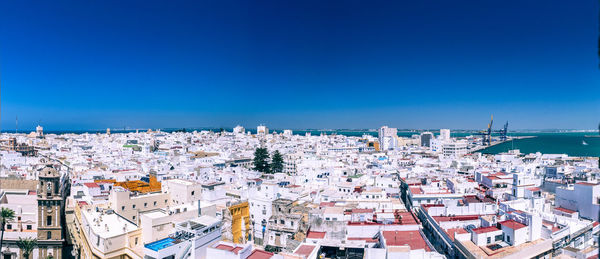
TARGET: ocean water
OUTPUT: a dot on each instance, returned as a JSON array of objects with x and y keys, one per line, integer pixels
[{"x": 551, "y": 143}]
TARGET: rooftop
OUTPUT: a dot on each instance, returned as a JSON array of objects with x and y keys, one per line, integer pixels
[
  {"x": 413, "y": 238},
  {"x": 512, "y": 224},
  {"x": 229, "y": 248},
  {"x": 305, "y": 250},
  {"x": 482, "y": 230},
  {"x": 260, "y": 254}
]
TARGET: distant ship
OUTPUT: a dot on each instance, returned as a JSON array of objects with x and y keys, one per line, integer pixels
[{"x": 584, "y": 143}]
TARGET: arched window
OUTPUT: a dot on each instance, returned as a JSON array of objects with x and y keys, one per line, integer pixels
[{"x": 49, "y": 235}]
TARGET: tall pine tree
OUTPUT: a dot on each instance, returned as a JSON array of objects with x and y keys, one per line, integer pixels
[
  {"x": 261, "y": 160},
  {"x": 277, "y": 162}
]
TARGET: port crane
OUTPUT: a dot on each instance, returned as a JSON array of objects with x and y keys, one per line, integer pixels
[
  {"x": 503, "y": 132},
  {"x": 486, "y": 135}
]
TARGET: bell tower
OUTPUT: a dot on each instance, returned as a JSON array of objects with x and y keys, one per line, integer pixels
[{"x": 50, "y": 233}]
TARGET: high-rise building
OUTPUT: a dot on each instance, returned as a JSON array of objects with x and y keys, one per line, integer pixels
[
  {"x": 50, "y": 237},
  {"x": 262, "y": 130},
  {"x": 239, "y": 129},
  {"x": 39, "y": 131},
  {"x": 287, "y": 133},
  {"x": 445, "y": 134},
  {"x": 426, "y": 138},
  {"x": 388, "y": 138}
]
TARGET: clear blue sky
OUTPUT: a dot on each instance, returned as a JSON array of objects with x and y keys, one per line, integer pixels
[{"x": 299, "y": 64}]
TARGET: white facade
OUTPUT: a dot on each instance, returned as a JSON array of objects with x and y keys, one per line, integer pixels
[
  {"x": 582, "y": 197},
  {"x": 262, "y": 130},
  {"x": 388, "y": 138},
  {"x": 444, "y": 134}
]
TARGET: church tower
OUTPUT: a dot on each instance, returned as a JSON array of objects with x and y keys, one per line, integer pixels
[{"x": 50, "y": 235}]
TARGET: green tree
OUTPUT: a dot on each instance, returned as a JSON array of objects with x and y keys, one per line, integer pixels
[
  {"x": 277, "y": 162},
  {"x": 6, "y": 215},
  {"x": 27, "y": 245},
  {"x": 261, "y": 160}
]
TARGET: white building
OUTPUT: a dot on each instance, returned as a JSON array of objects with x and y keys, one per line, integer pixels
[
  {"x": 239, "y": 129},
  {"x": 444, "y": 134},
  {"x": 582, "y": 197},
  {"x": 388, "y": 138},
  {"x": 262, "y": 130}
]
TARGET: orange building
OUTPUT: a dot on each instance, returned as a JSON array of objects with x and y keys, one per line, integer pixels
[
  {"x": 138, "y": 186},
  {"x": 240, "y": 222}
]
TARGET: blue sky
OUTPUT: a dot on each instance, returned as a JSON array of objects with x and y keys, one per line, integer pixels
[{"x": 299, "y": 64}]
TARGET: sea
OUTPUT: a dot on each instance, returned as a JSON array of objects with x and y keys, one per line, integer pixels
[{"x": 570, "y": 143}]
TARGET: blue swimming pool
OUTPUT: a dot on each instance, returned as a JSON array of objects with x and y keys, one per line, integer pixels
[{"x": 160, "y": 244}]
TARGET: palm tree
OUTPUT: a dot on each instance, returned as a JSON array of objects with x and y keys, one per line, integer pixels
[
  {"x": 6, "y": 215},
  {"x": 27, "y": 245}
]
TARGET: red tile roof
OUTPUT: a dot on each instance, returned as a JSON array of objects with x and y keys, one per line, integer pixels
[
  {"x": 534, "y": 189},
  {"x": 410, "y": 238},
  {"x": 326, "y": 204},
  {"x": 482, "y": 230},
  {"x": 316, "y": 235},
  {"x": 260, "y": 254},
  {"x": 587, "y": 184},
  {"x": 362, "y": 210},
  {"x": 512, "y": 224},
  {"x": 92, "y": 185},
  {"x": 416, "y": 190},
  {"x": 456, "y": 218},
  {"x": 565, "y": 210},
  {"x": 305, "y": 250},
  {"x": 232, "y": 249}
]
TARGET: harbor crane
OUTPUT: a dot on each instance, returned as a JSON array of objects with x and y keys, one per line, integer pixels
[
  {"x": 486, "y": 135},
  {"x": 503, "y": 132}
]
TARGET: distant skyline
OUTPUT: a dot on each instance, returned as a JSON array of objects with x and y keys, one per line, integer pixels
[{"x": 72, "y": 65}]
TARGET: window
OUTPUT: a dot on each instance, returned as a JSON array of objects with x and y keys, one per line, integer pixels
[
  {"x": 49, "y": 221},
  {"x": 489, "y": 240},
  {"x": 49, "y": 235},
  {"x": 508, "y": 239},
  {"x": 133, "y": 206},
  {"x": 282, "y": 222},
  {"x": 19, "y": 218},
  {"x": 9, "y": 226},
  {"x": 122, "y": 207},
  {"x": 192, "y": 193},
  {"x": 145, "y": 204},
  {"x": 136, "y": 240},
  {"x": 165, "y": 201},
  {"x": 133, "y": 217},
  {"x": 499, "y": 238},
  {"x": 28, "y": 227},
  {"x": 154, "y": 203}
]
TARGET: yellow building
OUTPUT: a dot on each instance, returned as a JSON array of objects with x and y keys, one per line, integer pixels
[{"x": 240, "y": 222}]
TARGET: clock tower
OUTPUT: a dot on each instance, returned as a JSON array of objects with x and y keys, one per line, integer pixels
[{"x": 50, "y": 237}]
